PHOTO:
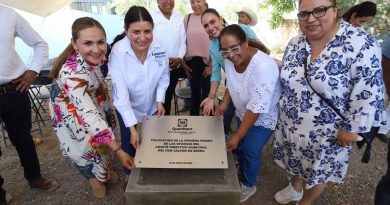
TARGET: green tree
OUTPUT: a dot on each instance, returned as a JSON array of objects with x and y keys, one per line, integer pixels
[{"x": 379, "y": 27}]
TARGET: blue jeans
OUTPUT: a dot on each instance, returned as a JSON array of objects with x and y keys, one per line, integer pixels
[
  {"x": 125, "y": 140},
  {"x": 249, "y": 152}
]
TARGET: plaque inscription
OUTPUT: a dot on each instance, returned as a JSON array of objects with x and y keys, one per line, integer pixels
[{"x": 182, "y": 142}]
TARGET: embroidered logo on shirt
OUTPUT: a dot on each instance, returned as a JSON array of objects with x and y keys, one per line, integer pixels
[{"x": 159, "y": 57}]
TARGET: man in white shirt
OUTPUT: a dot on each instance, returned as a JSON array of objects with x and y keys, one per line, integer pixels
[
  {"x": 170, "y": 32},
  {"x": 15, "y": 105}
]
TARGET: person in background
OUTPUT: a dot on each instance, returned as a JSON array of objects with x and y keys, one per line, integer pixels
[
  {"x": 360, "y": 14},
  {"x": 382, "y": 196},
  {"x": 254, "y": 88},
  {"x": 15, "y": 104},
  {"x": 197, "y": 58},
  {"x": 169, "y": 30},
  {"x": 213, "y": 23},
  {"x": 80, "y": 102},
  {"x": 312, "y": 142},
  {"x": 247, "y": 16},
  {"x": 139, "y": 68}
]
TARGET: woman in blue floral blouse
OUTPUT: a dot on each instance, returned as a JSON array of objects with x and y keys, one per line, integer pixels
[{"x": 342, "y": 64}]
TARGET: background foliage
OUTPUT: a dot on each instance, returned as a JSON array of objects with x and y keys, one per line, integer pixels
[{"x": 379, "y": 27}]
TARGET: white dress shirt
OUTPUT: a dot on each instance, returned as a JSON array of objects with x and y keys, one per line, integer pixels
[
  {"x": 11, "y": 65},
  {"x": 138, "y": 87},
  {"x": 256, "y": 89},
  {"x": 170, "y": 32}
]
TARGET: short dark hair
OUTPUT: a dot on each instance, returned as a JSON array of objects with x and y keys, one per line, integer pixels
[{"x": 363, "y": 9}]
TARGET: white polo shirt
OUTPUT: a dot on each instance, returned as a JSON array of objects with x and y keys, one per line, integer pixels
[
  {"x": 138, "y": 87},
  {"x": 11, "y": 65},
  {"x": 170, "y": 32}
]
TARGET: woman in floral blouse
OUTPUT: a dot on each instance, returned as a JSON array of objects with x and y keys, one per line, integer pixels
[
  {"x": 80, "y": 105},
  {"x": 341, "y": 63}
]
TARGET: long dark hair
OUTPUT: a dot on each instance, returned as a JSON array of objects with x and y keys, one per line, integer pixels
[
  {"x": 363, "y": 9},
  {"x": 134, "y": 14},
  {"x": 78, "y": 25}
]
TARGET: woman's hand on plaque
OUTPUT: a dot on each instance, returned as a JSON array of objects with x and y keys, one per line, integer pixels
[
  {"x": 160, "y": 109},
  {"x": 208, "y": 106},
  {"x": 134, "y": 138},
  {"x": 125, "y": 159}
]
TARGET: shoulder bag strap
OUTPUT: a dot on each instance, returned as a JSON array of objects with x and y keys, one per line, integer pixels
[{"x": 319, "y": 95}]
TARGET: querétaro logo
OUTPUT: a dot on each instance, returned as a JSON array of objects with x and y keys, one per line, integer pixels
[{"x": 182, "y": 122}]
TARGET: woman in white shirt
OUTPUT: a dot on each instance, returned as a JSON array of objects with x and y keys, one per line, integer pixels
[
  {"x": 140, "y": 75},
  {"x": 254, "y": 87}
]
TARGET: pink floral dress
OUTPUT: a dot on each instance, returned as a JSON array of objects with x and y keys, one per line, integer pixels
[{"x": 79, "y": 108}]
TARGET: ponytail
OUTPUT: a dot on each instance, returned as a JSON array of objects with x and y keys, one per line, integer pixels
[
  {"x": 57, "y": 65},
  {"x": 259, "y": 45}
]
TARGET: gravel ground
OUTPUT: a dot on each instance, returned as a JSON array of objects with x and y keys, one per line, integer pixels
[{"x": 359, "y": 187}]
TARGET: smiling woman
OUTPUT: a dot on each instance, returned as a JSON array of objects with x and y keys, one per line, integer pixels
[
  {"x": 253, "y": 87},
  {"x": 140, "y": 76},
  {"x": 312, "y": 141},
  {"x": 80, "y": 107}
]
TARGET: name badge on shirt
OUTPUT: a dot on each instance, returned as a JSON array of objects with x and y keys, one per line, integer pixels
[{"x": 159, "y": 57}]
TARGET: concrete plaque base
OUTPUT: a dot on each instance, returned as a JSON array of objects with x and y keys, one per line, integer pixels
[{"x": 184, "y": 186}]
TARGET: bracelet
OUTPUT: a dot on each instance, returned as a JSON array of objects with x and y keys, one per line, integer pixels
[
  {"x": 116, "y": 150},
  {"x": 212, "y": 95}
]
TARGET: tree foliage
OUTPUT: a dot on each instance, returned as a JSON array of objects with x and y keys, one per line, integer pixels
[
  {"x": 279, "y": 8},
  {"x": 379, "y": 27}
]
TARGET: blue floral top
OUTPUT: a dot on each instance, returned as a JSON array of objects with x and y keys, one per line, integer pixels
[{"x": 348, "y": 73}]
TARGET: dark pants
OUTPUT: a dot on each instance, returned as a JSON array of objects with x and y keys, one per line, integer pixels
[
  {"x": 228, "y": 117},
  {"x": 2, "y": 191},
  {"x": 125, "y": 140},
  {"x": 200, "y": 86},
  {"x": 382, "y": 194},
  {"x": 15, "y": 110},
  {"x": 173, "y": 79}
]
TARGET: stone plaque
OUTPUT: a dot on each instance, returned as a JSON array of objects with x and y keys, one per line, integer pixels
[{"x": 182, "y": 142}]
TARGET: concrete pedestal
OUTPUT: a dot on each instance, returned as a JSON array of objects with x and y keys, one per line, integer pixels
[{"x": 184, "y": 186}]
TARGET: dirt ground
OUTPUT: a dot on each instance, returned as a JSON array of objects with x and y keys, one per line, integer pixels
[{"x": 359, "y": 187}]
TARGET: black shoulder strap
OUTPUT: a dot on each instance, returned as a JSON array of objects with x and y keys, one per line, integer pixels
[
  {"x": 188, "y": 20},
  {"x": 319, "y": 95}
]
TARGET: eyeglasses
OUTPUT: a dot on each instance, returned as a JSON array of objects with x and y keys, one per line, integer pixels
[
  {"x": 233, "y": 50},
  {"x": 317, "y": 12}
]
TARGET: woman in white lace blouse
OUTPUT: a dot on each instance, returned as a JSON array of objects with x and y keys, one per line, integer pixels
[{"x": 253, "y": 86}]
